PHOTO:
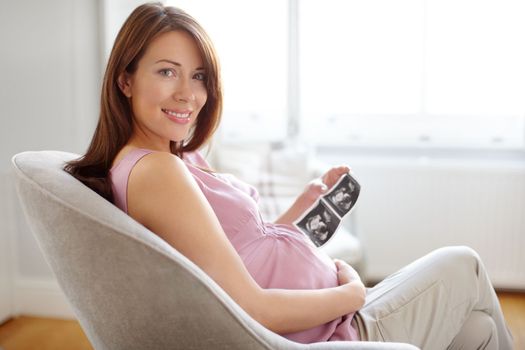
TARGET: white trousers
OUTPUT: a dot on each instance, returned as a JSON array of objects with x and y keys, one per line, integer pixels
[{"x": 443, "y": 300}]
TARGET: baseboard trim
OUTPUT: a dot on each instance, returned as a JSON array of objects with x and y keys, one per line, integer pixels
[{"x": 41, "y": 298}]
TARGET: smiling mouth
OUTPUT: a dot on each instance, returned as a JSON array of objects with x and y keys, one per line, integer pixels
[{"x": 180, "y": 117}]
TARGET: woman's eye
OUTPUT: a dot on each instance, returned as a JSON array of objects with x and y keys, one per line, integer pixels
[
  {"x": 200, "y": 76},
  {"x": 166, "y": 72}
]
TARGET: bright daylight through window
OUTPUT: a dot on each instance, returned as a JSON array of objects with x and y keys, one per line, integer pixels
[{"x": 378, "y": 72}]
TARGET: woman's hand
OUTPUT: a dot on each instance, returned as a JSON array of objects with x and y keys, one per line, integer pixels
[
  {"x": 314, "y": 189},
  {"x": 319, "y": 186},
  {"x": 349, "y": 279},
  {"x": 333, "y": 175},
  {"x": 345, "y": 272},
  {"x": 311, "y": 193}
]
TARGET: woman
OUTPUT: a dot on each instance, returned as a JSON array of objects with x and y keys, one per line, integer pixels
[{"x": 161, "y": 102}]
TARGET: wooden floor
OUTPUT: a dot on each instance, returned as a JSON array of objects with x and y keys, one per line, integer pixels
[
  {"x": 513, "y": 305},
  {"x": 29, "y": 333}
]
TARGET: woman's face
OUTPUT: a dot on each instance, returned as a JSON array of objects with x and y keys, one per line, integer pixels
[{"x": 167, "y": 90}]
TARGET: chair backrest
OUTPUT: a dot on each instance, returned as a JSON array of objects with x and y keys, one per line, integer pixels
[{"x": 128, "y": 288}]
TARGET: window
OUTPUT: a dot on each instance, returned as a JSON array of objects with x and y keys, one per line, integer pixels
[
  {"x": 413, "y": 72},
  {"x": 423, "y": 73}
]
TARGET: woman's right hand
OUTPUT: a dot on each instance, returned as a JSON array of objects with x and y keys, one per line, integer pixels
[
  {"x": 349, "y": 278},
  {"x": 345, "y": 272}
]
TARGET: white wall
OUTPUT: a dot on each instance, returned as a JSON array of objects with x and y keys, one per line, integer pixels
[
  {"x": 6, "y": 271},
  {"x": 49, "y": 88}
]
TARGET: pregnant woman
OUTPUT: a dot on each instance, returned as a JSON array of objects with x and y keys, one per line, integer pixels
[{"x": 160, "y": 103}]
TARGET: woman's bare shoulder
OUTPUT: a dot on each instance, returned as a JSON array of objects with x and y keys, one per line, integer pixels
[
  {"x": 156, "y": 181},
  {"x": 156, "y": 166}
]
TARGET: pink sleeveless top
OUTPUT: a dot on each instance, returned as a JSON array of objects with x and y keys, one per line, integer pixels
[{"x": 277, "y": 256}]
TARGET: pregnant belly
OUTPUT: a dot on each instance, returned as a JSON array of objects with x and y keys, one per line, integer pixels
[{"x": 285, "y": 258}]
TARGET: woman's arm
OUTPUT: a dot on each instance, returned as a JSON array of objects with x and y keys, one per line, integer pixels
[
  {"x": 164, "y": 197},
  {"x": 311, "y": 193}
]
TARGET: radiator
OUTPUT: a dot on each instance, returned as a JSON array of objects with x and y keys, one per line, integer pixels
[{"x": 408, "y": 208}]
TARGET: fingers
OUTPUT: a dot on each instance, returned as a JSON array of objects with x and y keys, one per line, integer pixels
[
  {"x": 339, "y": 263},
  {"x": 343, "y": 274},
  {"x": 345, "y": 271},
  {"x": 342, "y": 264},
  {"x": 332, "y": 175},
  {"x": 318, "y": 185},
  {"x": 314, "y": 189},
  {"x": 342, "y": 169}
]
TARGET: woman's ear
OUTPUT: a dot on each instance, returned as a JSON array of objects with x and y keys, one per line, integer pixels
[{"x": 124, "y": 83}]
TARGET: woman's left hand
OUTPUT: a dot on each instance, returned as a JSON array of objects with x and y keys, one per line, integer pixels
[
  {"x": 311, "y": 193},
  {"x": 319, "y": 186},
  {"x": 333, "y": 175}
]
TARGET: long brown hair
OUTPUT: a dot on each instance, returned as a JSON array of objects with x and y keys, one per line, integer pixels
[{"x": 114, "y": 126}]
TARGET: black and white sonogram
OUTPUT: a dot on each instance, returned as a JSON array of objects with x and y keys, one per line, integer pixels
[
  {"x": 343, "y": 195},
  {"x": 319, "y": 224}
]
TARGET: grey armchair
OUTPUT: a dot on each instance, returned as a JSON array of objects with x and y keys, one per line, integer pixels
[{"x": 129, "y": 288}]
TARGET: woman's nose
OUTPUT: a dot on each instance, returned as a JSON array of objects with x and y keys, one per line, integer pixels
[{"x": 184, "y": 91}]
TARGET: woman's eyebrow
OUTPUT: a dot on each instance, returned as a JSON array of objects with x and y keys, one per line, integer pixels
[
  {"x": 176, "y": 63},
  {"x": 169, "y": 61}
]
